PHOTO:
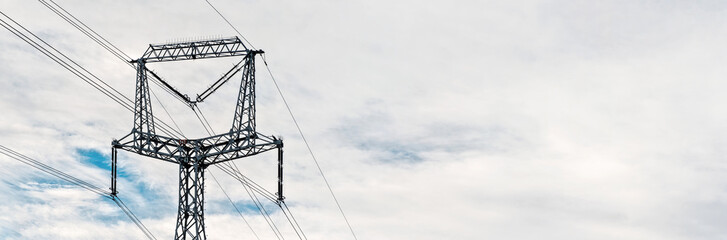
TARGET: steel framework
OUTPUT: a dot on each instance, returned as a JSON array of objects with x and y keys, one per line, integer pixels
[{"x": 194, "y": 155}]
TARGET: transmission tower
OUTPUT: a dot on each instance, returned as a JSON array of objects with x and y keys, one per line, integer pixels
[{"x": 194, "y": 155}]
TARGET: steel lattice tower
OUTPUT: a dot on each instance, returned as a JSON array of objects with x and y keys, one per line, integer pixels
[{"x": 194, "y": 155}]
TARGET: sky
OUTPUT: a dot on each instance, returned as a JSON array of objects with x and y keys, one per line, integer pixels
[{"x": 430, "y": 119}]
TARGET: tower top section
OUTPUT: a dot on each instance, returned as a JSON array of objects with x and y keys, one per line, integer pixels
[{"x": 190, "y": 50}]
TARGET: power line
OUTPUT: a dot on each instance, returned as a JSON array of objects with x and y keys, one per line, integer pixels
[
  {"x": 230, "y": 24},
  {"x": 110, "y": 47},
  {"x": 73, "y": 67},
  {"x": 287, "y": 106},
  {"x": 100, "y": 40},
  {"x": 94, "y": 32},
  {"x": 233, "y": 204},
  {"x": 133, "y": 217},
  {"x": 252, "y": 195},
  {"x": 52, "y": 171},
  {"x": 293, "y": 223},
  {"x": 313, "y": 156},
  {"x": 78, "y": 182}
]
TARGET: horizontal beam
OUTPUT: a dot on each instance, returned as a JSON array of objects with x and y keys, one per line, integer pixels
[
  {"x": 210, "y": 150},
  {"x": 188, "y": 50}
]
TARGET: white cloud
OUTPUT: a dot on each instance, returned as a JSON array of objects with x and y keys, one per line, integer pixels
[{"x": 432, "y": 120}]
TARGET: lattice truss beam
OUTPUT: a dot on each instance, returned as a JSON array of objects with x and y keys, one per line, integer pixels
[{"x": 225, "y": 47}]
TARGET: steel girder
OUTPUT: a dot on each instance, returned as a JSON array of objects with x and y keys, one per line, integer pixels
[
  {"x": 194, "y": 155},
  {"x": 225, "y": 47}
]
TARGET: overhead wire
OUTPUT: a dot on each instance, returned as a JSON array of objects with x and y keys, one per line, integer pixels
[
  {"x": 53, "y": 171},
  {"x": 227, "y": 168},
  {"x": 165, "y": 110},
  {"x": 233, "y": 204},
  {"x": 264, "y": 212},
  {"x": 94, "y": 32},
  {"x": 74, "y": 67},
  {"x": 307, "y": 145},
  {"x": 233, "y": 173},
  {"x": 293, "y": 217},
  {"x": 230, "y": 24},
  {"x": 93, "y": 35},
  {"x": 133, "y": 217},
  {"x": 110, "y": 47},
  {"x": 294, "y": 120},
  {"x": 94, "y": 83},
  {"x": 293, "y": 223},
  {"x": 78, "y": 182}
]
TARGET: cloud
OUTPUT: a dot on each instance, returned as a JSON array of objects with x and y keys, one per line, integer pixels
[{"x": 432, "y": 120}]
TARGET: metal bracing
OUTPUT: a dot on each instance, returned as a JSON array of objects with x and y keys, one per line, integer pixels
[
  {"x": 143, "y": 118},
  {"x": 244, "y": 120},
  {"x": 190, "y": 222},
  {"x": 225, "y": 47},
  {"x": 194, "y": 155}
]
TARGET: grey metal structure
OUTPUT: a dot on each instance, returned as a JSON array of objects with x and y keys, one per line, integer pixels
[{"x": 194, "y": 155}]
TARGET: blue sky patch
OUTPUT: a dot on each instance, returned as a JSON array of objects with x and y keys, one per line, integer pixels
[{"x": 99, "y": 160}]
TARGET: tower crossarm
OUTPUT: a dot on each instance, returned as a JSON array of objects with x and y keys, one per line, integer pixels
[
  {"x": 187, "y": 50},
  {"x": 226, "y": 147},
  {"x": 211, "y": 150},
  {"x": 154, "y": 146}
]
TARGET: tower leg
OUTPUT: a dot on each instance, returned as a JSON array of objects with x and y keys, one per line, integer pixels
[
  {"x": 190, "y": 217},
  {"x": 143, "y": 117},
  {"x": 245, "y": 110}
]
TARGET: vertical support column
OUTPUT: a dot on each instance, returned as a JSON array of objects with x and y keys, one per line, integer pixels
[
  {"x": 280, "y": 172},
  {"x": 143, "y": 117},
  {"x": 113, "y": 171},
  {"x": 245, "y": 110},
  {"x": 199, "y": 197},
  {"x": 190, "y": 216}
]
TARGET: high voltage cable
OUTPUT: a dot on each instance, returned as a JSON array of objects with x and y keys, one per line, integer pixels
[
  {"x": 252, "y": 195},
  {"x": 294, "y": 121},
  {"x": 244, "y": 180},
  {"x": 78, "y": 182},
  {"x": 92, "y": 80},
  {"x": 296, "y": 221},
  {"x": 313, "y": 156},
  {"x": 94, "y": 84},
  {"x": 233, "y": 204},
  {"x": 114, "y": 46},
  {"x": 165, "y": 110},
  {"x": 292, "y": 224},
  {"x": 52, "y": 171},
  {"x": 264, "y": 212},
  {"x": 230, "y": 24},
  {"x": 93, "y": 35},
  {"x": 133, "y": 217},
  {"x": 110, "y": 47}
]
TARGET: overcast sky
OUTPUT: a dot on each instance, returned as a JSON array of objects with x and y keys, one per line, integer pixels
[{"x": 431, "y": 119}]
